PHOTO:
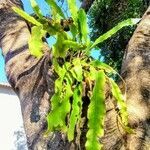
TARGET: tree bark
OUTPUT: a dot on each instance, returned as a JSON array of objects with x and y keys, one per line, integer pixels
[
  {"x": 136, "y": 72},
  {"x": 33, "y": 81}
]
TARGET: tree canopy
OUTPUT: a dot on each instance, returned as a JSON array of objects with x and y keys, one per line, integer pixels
[{"x": 103, "y": 15}]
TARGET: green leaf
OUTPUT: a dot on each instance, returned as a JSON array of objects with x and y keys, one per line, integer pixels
[
  {"x": 74, "y": 31},
  {"x": 69, "y": 77},
  {"x": 74, "y": 14},
  {"x": 26, "y": 16},
  {"x": 108, "y": 69},
  {"x": 72, "y": 44},
  {"x": 73, "y": 10},
  {"x": 120, "y": 101},
  {"x": 59, "y": 70},
  {"x": 59, "y": 81},
  {"x": 52, "y": 119},
  {"x": 92, "y": 73},
  {"x": 60, "y": 49},
  {"x": 36, "y": 8},
  {"x": 56, "y": 119},
  {"x": 76, "y": 71},
  {"x": 83, "y": 24},
  {"x": 35, "y": 42},
  {"x": 105, "y": 36},
  {"x": 96, "y": 113},
  {"x": 76, "y": 111},
  {"x": 55, "y": 7},
  {"x": 101, "y": 65}
]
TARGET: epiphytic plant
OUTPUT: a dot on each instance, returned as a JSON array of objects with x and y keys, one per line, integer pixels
[{"x": 78, "y": 74}]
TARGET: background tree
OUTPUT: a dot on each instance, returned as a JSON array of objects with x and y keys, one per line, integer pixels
[
  {"x": 33, "y": 79},
  {"x": 103, "y": 15}
]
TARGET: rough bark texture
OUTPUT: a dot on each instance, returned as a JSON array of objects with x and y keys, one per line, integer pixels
[
  {"x": 136, "y": 72},
  {"x": 33, "y": 81}
]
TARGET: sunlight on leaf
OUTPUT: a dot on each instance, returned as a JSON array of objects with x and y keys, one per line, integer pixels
[
  {"x": 77, "y": 75},
  {"x": 60, "y": 49},
  {"x": 56, "y": 118},
  {"x": 101, "y": 65},
  {"x": 36, "y": 8},
  {"x": 77, "y": 70},
  {"x": 35, "y": 42},
  {"x": 128, "y": 22},
  {"x": 26, "y": 16},
  {"x": 120, "y": 100},
  {"x": 96, "y": 113},
  {"x": 76, "y": 109},
  {"x": 83, "y": 24},
  {"x": 73, "y": 9},
  {"x": 57, "y": 9}
]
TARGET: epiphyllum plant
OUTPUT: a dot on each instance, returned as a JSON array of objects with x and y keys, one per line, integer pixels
[{"x": 78, "y": 74}]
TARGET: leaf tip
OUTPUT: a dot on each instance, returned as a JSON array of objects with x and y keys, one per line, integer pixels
[{"x": 136, "y": 20}]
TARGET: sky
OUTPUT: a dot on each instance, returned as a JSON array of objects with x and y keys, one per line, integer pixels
[{"x": 2, "y": 71}]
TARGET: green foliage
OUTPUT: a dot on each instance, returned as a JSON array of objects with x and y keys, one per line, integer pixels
[
  {"x": 101, "y": 65},
  {"x": 78, "y": 75},
  {"x": 26, "y": 16},
  {"x": 73, "y": 9},
  {"x": 36, "y": 9},
  {"x": 59, "y": 48},
  {"x": 102, "y": 38},
  {"x": 55, "y": 8},
  {"x": 35, "y": 42},
  {"x": 83, "y": 24},
  {"x": 96, "y": 113},
  {"x": 105, "y": 14},
  {"x": 120, "y": 100},
  {"x": 76, "y": 111}
]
